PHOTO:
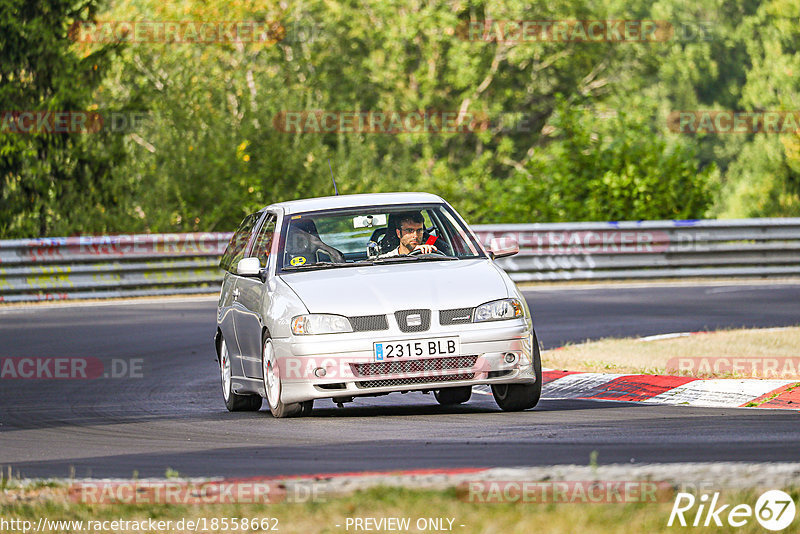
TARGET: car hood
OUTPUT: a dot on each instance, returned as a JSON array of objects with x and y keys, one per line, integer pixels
[{"x": 380, "y": 289}]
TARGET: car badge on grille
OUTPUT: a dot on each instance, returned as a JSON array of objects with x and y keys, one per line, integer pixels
[{"x": 414, "y": 319}]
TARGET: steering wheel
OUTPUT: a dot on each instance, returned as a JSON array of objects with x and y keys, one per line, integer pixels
[{"x": 418, "y": 251}]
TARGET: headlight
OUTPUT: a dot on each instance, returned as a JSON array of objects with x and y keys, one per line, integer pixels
[
  {"x": 498, "y": 310},
  {"x": 317, "y": 323}
]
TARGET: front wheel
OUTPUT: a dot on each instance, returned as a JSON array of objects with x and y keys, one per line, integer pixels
[
  {"x": 233, "y": 401},
  {"x": 272, "y": 385},
  {"x": 518, "y": 397}
]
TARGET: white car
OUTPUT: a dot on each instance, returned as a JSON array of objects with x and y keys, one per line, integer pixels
[{"x": 362, "y": 295}]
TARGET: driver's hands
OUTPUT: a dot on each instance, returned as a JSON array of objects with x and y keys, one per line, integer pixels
[{"x": 425, "y": 249}]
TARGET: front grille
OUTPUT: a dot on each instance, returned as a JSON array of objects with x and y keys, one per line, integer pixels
[
  {"x": 455, "y": 316},
  {"x": 402, "y": 320},
  {"x": 415, "y": 380},
  {"x": 367, "y": 323},
  {"x": 413, "y": 366}
]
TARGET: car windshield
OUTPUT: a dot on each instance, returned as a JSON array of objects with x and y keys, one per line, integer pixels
[{"x": 374, "y": 235}]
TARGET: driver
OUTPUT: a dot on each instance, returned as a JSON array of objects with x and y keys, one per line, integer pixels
[{"x": 409, "y": 231}]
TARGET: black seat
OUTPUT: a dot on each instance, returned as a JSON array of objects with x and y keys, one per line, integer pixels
[
  {"x": 387, "y": 237},
  {"x": 310, "y": 245},
  {"x": 306, "y": 225}
]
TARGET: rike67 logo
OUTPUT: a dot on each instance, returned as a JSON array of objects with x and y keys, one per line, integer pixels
[{"x": 774, "y": 510}]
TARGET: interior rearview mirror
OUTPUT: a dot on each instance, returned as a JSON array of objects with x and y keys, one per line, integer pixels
[{"x": 369, "y": 221}]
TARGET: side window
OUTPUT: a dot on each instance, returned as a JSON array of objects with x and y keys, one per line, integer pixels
[
  {"x": 235, "y": 250},
  {"x": 263, "y": 243}
]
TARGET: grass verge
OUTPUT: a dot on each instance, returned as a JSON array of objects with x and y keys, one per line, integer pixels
[
  {"x": 759, "y": 353},
  {"x": 384, "y": 502}
]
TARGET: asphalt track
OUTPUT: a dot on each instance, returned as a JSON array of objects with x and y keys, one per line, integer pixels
[{"x": 173, "y": 417}]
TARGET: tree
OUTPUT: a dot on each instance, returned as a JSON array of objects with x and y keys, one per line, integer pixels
[
  {"x": 764, "y": 178},
  {"x": 607, "y": 165},
  {"x": 51, "y": 182}
]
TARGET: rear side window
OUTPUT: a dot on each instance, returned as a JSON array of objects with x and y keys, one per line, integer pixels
[{"x": 235, "y": 250}]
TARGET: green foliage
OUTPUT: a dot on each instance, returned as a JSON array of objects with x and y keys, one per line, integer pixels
[
  {"x": 53, "y": 183},
  {"x": 764, "y": 178},
  {"x": 606, "y": 165},
  {"x": 576, "y": 131},
  {"x": 761, "y": 182}
]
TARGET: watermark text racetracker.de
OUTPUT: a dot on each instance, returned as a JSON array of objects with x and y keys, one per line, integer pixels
[
  {"x": 786, "y": 368},
  {"x": 178, "y": 32},
  {"x": 179, "y": 492},
  {"x": 566, "y": 491},
  {"x": 69, "y": 368},
  {"x": 37, "y": 122},
  {"x": 149, "y": 524},
  {"x": 64, "y": 248},
  {"x": 379, "y": 122},
  {"x": 694, "y": 505},
  {"x": 188, "y": 244},
  {"x": 583, "y": 31},
  {"x": 616, "y": 241},
  {"x": 715, "y": 122},
  {"x": 565, "y": 31}
]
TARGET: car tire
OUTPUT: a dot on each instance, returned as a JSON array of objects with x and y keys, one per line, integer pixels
[
  {"x": 518, "y": 397},
  {"x": 271, "y": 377},
  {"x": 450, "y": 396},
  {"x": 233, "y": 401}
]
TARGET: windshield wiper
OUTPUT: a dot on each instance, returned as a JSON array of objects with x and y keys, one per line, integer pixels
[
  {"x": 416, "y": 257},
  {"x": 317, "y": 265}
]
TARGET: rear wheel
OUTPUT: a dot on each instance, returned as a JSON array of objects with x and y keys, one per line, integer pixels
[
  {"x": 233, "y": 401},
  {"x": 517, "y": 397},
  {"x": 449, "y": 396},
  {"x": 272, "y": 385}
]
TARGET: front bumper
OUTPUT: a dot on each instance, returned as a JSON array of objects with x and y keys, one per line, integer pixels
[{"x": 343, "y": 365}]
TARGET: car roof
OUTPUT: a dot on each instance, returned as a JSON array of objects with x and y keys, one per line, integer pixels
[{"x": 352, "y": 201}]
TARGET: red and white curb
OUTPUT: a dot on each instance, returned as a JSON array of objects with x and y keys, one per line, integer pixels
[{"x": 664, "y": 389}]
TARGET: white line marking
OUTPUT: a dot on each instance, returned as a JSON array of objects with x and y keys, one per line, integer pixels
[
  {"x": 578, "y": 285},
  {"x": 18, "y": 307},
  {"x": 658, "y": 337}
]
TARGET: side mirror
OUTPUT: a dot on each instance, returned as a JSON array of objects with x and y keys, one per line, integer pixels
[
  {"x": 500, "y": 247},
  {"x": 248, "y": 267}
]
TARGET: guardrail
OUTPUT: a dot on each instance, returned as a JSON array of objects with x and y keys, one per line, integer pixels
[
  {"x": 65, "y": 268},
  {"x": 168, "y": 264},
  {"x": 651, "y": 249}
]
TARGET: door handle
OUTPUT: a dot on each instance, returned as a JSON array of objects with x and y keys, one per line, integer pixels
[{"x": 236, "y": 293}]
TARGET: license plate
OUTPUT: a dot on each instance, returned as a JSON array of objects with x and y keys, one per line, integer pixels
[{"x": 417, "y": 348}]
